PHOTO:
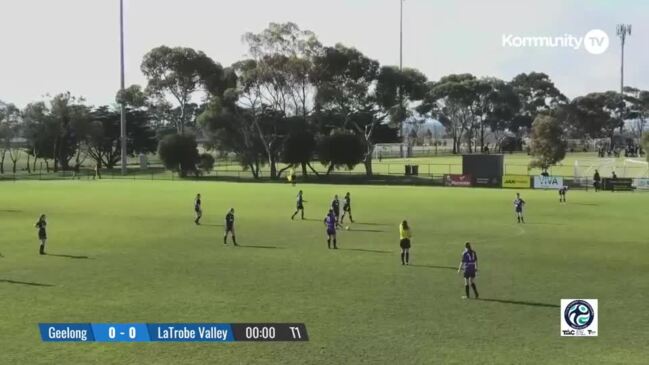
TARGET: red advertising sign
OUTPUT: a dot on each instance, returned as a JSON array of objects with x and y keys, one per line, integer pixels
[{"x": 457, "y": 180}]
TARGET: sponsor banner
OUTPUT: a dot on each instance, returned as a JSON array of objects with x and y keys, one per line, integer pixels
[
  {"x": 516, "y": 181},
  {"x": 489, "y": 182},
  {"x": 641, "y": 183},
  {"x": 618, "y": 184},
  {"x": 548, "y": 182},
  {"x": 579, "y": 317},
  {"x": 457, "y": 180}
]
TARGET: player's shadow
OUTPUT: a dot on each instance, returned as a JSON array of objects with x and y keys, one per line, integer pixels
[
  {"x": 365, "y": 230},
  {"x": 436, "y": 267},
  {"x": 23, "y": 282},
  {"x": 371, "y": 224},
  {"x": 586, "y": 204},
  {"x": 365, "y": 250},
  {"x": 70, "y": 256},
  {"x": 309, "y": 219},
  {"x": 10, "y": 211},
  {"x": 253, "y": 246},
  {"x": 518, "y": 302},
  {"x": 211, "y": 225}
]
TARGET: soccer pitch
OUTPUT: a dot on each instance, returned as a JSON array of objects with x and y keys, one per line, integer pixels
[{"x": 128, "y": 251}]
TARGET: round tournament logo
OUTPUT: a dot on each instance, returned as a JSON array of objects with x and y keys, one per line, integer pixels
[{"x": 579, "y": 314}]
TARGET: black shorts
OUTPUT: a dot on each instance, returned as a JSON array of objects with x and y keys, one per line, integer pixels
[
  {"x": 405, "y": 243},
  {"x": 519, "y": 210},
  {"x": 469, "y": 274},
  {"x": 42, "y": 236},
  {"x": 300, "y": 206},
  {"x": 337, "y": 212},
  {"x": 347, "y": 208},
  {"x": 229, "y": 229}
]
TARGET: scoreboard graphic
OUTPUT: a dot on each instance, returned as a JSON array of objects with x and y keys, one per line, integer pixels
[{"x": 173, "y": 332}]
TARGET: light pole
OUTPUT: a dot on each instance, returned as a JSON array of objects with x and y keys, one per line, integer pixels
[
  {"x": 122, "y": 123},
  {"x": 403, "y": 132},
  {"x": 622, "y": 31}
]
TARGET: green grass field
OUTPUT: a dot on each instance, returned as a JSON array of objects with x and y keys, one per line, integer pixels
[{"x": 128, "y": 251}]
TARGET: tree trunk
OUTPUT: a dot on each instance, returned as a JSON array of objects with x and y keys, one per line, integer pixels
[
  {"x": 367, "y": 161},
  {"x": 29, "y": 167},
  {"x": 273, "y": 166},
  {"x": 312, "y": 169},
  {"x": 2, "y": 162},
  {"x": 14, "y": 163},
  {"x": 304, "y": 173}
]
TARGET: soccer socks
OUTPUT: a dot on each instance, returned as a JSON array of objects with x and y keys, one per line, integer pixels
[
  {"x": 403, "y": 261},
  {"x": 475, "y": 290},
  {"x": 234, "y": 240},
  {"x": 225, "y": 240},
  {"x": 335, "y": 247},
  {"x": 42, "y": 249},
  {"x": 466, "y": 290},
  {"x": 407, "y": 257},
  {"x": 329, "y": 243}
]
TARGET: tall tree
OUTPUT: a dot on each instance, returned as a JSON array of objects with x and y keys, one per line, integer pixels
[
  {"x": 180, "y": 73},
  {"x": 10, "y": 129},
  {"x": 495, "y": 107},
  {"x": 548, "y": 142},
  {"x": 70, "y": 117},
  {"x": 596, "y": 115},
  {"x": 537, "y": 93},
  {"x": 637, "y": 110},
  {"x": 451, "y": 100}
]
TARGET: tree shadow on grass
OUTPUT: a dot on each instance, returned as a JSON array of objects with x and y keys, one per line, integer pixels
[
  {"x": 253, "y": 246},
  {"x": 436, "y": 267},
  {"x": 23, "y": 283},
  {"x": 519, "y": 302},
  {"x": 364, "y": 250},
  {"x": 69, "y": 256}
]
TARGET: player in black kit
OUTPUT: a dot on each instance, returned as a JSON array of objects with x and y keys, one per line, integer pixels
[
  {"x": 562, "y": 194},
  {"x": 197, "y": 209},
  {"x": 335, "y": 207},
  {"x": 42, "y": 233},
  {"x": 299, "y": 205},
  {"x": 229, "y": 227},
  {"x": 347, "y": 208}
]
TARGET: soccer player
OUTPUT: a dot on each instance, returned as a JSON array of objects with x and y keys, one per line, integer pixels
[
  {"x": 518, "y": 207},
  {"x": 229, "y": 227},
  {"x": 562, "y": 194},
  {"x": 335, "y": 206},
  {"x": 469, "y": 264},
  {"x": 197, "y": 209},
  {"x": 292, "y": 178},
  {"x": 347, "y": 208},
  {"x": 405, "y": 234},
  {"x": 330, "y": 223},
  {"x": 300, "y": 205},
  {"x": 42, "y": 233},
  {"x": 596, "y": 180}
]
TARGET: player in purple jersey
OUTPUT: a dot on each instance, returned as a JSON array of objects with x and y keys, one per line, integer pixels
[
  {"x": 469, "y": 264},
  {"x": 518, "y": 208},
  {"x": 330, "y": 223}
]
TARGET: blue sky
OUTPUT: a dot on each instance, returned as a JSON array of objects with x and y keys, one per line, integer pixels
[{"x": 53, "y": 46}]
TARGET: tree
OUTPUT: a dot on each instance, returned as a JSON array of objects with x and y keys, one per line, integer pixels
[
  {"x": 206, "y": 162},
  {"x": 548, "y": 145},
  {"x": 274, "y": 84},
  {"x": 595, "y": 115},
  {"x": 180, "y": 73},
  {"x": 40, "y": 131},
  {"x": 355, "y": 93},
  {"x": 10, "y": 128},
  {"x": 179, "y": 152},
  {"x": 341, "y": 149},
  {"x": 104, "y": 135},
  {"x": 537, "y": 93},
  {"x": 298, "y": 148},
  {"x": 495, "y": 106},
  {"x": 451, "y": 101},
  {"x": 637, "y": 109}
]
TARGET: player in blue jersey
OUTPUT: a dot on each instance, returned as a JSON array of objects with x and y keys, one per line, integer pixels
[
  {"x": 347, "y": 208},
  {"x": 469, "y": 264},
  {"x": 229, "y": 227},
  {"x": 518, "y": 208},
  {"x": 197, "y": 209},
  {"x": 330, "y": 223},
  {"x": 42, "y": 232},
  {"x": 562, "y": 194},
  {"x": 299, "y": 205}
]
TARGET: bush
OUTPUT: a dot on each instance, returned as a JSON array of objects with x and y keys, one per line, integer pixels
[
  {"x": 341, "y": 149},
  {"x": 179, "y": 153},
  {"x": 206, "y": 162}
]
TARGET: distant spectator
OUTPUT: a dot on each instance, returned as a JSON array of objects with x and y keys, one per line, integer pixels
[{"x": 596, "y": 180}]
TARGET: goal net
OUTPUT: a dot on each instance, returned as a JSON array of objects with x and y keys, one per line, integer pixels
[
  {"x": 585, "y": 169},
  {"x": 635, "y": 168}
]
